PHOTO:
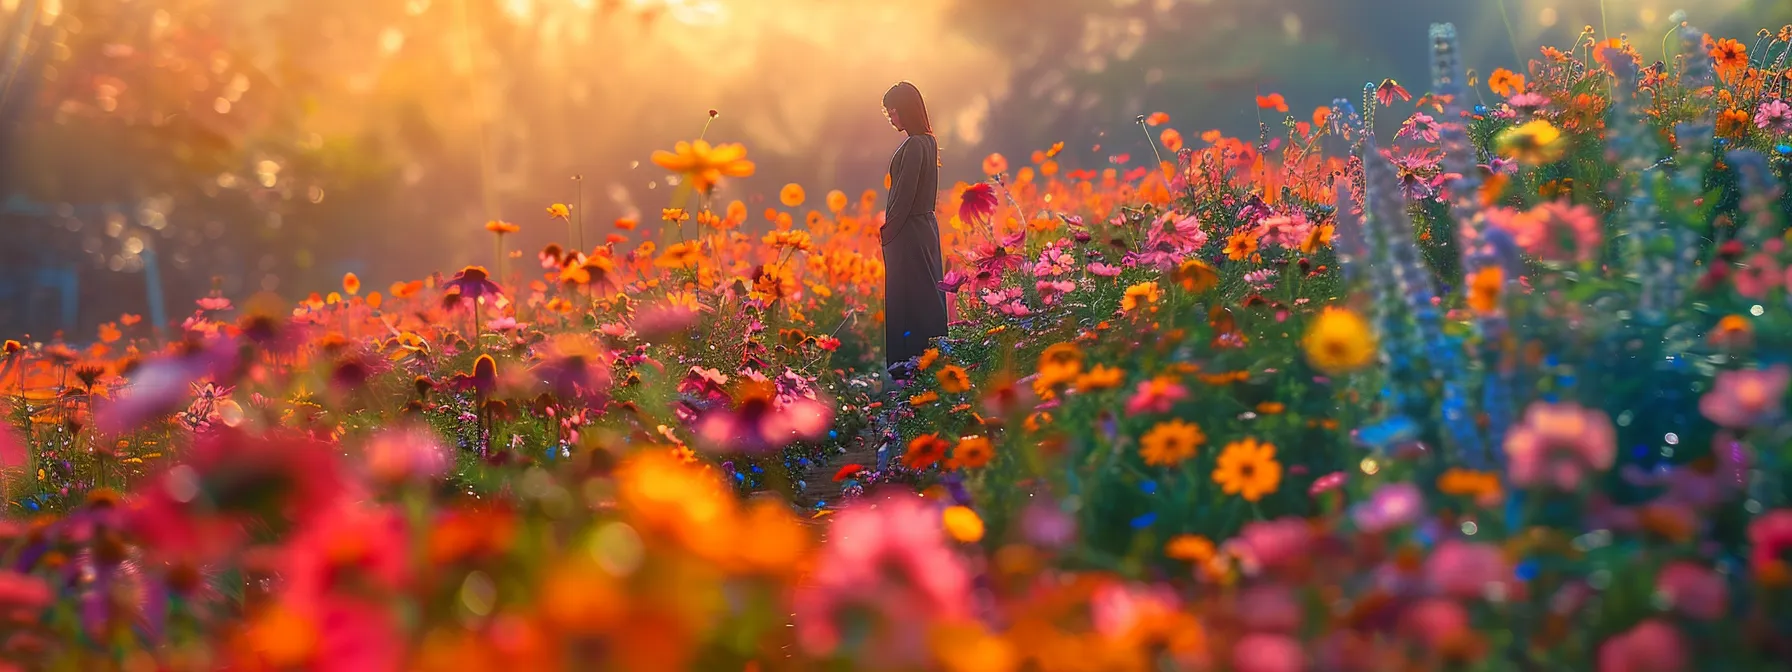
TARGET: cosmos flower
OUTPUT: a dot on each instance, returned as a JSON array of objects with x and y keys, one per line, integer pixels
[{"x": 1746, "y": 398}]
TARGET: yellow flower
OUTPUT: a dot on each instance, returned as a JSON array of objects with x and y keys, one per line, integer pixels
[
  {"x": 1339, "y": 341},
  {"x": 705, "y": 166},
  {"x": 1100, "y": 377},
  {"x": 963, "y": 524},
  {"x": 953, "y": 379},
  {"x": 1197, "y": 277},
  {"x": 1190, "y": 548},
  {"x": 559, "y": 211},
  {"x": 1248, "y": 468},
  {"x": 791, "y": 195},
  {"x": 1535, "y": 142},
  {"x": 1142, "y": 294},
  {"x": 674, "y": 215},
  {"x": 1171, "y": 442}
]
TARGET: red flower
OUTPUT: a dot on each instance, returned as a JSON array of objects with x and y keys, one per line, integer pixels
[
  {"x": 1389, "y": 88},
  {"x": 847, "y": 472},
  {"x": 979, "y": 203}
]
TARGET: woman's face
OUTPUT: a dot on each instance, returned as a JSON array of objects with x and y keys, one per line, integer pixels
[{"x": 895, "y": 121}]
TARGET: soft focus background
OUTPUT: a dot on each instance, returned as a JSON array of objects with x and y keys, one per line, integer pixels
[{"x": 151, "y": 149}]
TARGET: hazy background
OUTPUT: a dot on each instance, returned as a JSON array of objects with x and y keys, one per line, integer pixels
[{"x": 277, "y": 144}]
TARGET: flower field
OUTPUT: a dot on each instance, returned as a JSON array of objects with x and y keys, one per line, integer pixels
[{"x": 1500, "y": 387}]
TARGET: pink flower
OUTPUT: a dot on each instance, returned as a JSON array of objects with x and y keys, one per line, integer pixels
[
  {"x": 22, "y": 593},
  {"x": 1543, "y": 230},
  {"x": 1270, "y": 608},
  {"x": 407, "y": 454},
  {"x": 1327, "y": 483},
  {"x": 1740, "y": 399},
  {"x": 1774, "y": 115},
  {"x": 1285, "y": 231},
  {"x": 354, "y": 545},
  {"x": 1104, "y": 270},
  {"x": 1652, "y": 646},
  {"x": 214, "y": 303},
  {"x": 1693, "y": 590},
  {"x": 1116, "y": 607},
  {"x": 1528, "y": 103},
  {"x": 1157, "y": 395},
  {"x": 1760, "y": 274},
  {"x": 1272, "y": 544},
  {"x": 1771, "y": 536},
  {"x": 1181, "y": 234},
  {"x": 1558, "y": 444},
  {"x": 1268, "y": 653},
  {"x": 1421, "y": 126},
  {"x": 889, "y": 558},
  {"x": 1466, "y": 570}
]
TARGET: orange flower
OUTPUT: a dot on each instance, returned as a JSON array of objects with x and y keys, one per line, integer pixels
[
  {"x": 1505, "y": 82},
  {"x": 109, "y": 333},
  {"x": 351, "y": 284},
  {"x": 1733, "y": 123},
  {"x": 1484, "y": 289},
  {"x": 1240, "y": 246},
  {"x": 836, "y": 201},
  {"x": 953, "y": 379},
  {"x": 1140, "y": 295},
  {"x": 1197, "y": 277},
  {"x": 674, "y": 215},
  {"x": 791, "y": 195},
  {"x": 627, "y": 223},
  {"x": 1172, "y": 140},
  {"x": 1100, "y": 377},
  {"x": 1729, "y": 54},
  {"x": 995, "y": 164},
  {"x": 973, "y": 452},
  {"x": 1157, "y": 119},
  {"x": 923, "y": 399},
  {"x": 925, "y": 451},
  {"x": 1272, "y": 101}
]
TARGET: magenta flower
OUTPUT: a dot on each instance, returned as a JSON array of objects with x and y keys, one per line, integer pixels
[
  {"x": 1651, "y": 646},
  {"x": 1157, "y": 395},
  {"x": 1741, "y": 399},
  {"x": 1271, "y": 544},
  {"x": 1268, "y": 653},
  {"x": 470, "y": 284},
  {"x": 1693, "y": 590},
  {"x": 1558, "y": 444},
  {"x": 1774, "y": 115},
  {"x": 978, "y": 203},
  {"x": 888, "y": 558}
]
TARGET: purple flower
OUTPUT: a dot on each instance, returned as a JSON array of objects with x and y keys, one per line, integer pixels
[
  {"x": 1390, "y": 507},
  {"x": 470, "y": 284}
]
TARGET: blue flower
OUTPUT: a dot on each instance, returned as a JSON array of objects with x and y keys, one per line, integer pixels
[{"x": 1144, "y": 521}]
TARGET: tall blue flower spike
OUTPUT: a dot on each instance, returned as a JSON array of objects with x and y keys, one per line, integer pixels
[
  {"x": 1760, "y": 196},
  {"x": 1390, "y": 224},
  {"x": 1631, "y": 146},
  {"x": 1694, "y": 158},
  {"x": 1482, "y": 246}
]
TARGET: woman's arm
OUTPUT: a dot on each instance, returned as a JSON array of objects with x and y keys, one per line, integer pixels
[{"x": 905, "y": 178}]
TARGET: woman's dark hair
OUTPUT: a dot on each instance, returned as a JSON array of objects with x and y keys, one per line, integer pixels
[{"x": 905, "y": 100}]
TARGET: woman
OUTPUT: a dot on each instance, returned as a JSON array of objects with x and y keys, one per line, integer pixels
[{"x": 914, "y": 305}]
